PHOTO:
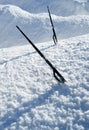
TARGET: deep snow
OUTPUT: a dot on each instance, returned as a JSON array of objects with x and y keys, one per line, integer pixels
[
  {"x": 30, "y": 97},
  {"x": 59, "y": 7},
  {"x": 37, "y": 26}
]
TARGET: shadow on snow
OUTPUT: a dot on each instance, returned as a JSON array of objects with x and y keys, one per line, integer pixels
[{"x": 26, "y": 107}]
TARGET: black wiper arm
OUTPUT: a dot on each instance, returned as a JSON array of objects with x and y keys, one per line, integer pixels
[
  {"x": 53, "y": 29},
  {"x": 56, "y": 74}
]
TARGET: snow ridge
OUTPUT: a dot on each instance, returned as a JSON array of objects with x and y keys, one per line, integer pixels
[{"x": 37, "y": 26}]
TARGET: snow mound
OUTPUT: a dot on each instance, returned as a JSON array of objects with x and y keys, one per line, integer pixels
[
  {"x": 59, "y": 7},
  {"x": 30, "y": 97},
  {"x": 13, "y": 10},
  {"x": 37, "y": 26}
]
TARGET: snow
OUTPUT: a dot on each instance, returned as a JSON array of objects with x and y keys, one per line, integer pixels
[
  {"x": 30, "y": 96},
  {"x": 11, "y": 16},
  {"x": 58, "y": 6}
]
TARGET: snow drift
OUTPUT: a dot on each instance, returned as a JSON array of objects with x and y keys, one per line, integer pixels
[
  {"x": 30, "y": 97},
  {"x": 59, "y": 7},
  {"x": 37, "y": 26}
]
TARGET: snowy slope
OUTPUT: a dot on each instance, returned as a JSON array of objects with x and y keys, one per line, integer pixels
[
  {"x": 59, "y": 7},
  {"x": 37, "y": 26},
  {"x": 30, "y": 97}
]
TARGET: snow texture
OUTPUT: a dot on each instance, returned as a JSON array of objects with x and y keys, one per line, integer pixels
[{"x": 30, "y": 97}]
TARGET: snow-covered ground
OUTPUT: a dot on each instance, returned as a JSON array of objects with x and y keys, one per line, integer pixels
[
  {"x": 30, "y": 97},
  {"x": 37, "y": 25}
]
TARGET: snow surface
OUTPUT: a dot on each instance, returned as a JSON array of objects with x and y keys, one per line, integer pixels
[
  {"x": 37, "y": 26},
  {"x": 30, "y": 97},
  {"x": 59, "y": 7}
]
